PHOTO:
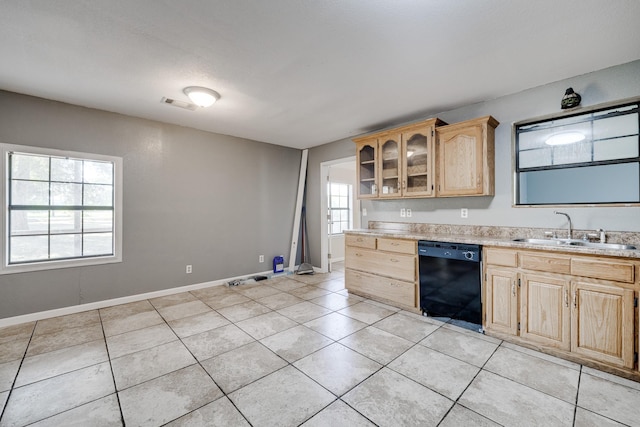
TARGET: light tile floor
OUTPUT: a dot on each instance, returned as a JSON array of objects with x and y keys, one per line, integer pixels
[{"x": 292, "y": 350}]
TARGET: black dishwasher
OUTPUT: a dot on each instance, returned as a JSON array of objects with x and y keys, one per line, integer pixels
[{"x": 450, "y": 280}]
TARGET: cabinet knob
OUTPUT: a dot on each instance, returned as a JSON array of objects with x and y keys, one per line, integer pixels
[{"x": 575, "y": 299}]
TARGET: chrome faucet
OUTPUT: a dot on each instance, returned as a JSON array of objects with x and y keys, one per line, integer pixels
[{"x": 569, "y": 219}]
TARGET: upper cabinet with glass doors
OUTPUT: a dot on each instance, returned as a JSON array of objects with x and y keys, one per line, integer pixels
[
  {"x": 403, "y": 163},
  {"x": 367, "y": 168}
]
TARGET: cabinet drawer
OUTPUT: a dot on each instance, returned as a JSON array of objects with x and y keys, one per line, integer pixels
[
  {"x": 396, "y": 245},
  {"x": 397, "y": 266},
  {"x": 389, "y": 289},
  {"x": 615, "y": 270},
  {"x": 360, "y": 241},
  {"x": 502, "y": 257},
  {"x": 548, "y": 263}
]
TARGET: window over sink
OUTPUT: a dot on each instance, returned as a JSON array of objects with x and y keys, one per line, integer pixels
[{"x": 588, "y": 156}]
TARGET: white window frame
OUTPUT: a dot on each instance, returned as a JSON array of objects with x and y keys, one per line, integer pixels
[
  {"x": 5, "y": 267},
  {"x": 349, "y": 208}
]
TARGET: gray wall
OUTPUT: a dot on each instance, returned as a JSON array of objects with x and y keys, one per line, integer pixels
[
  {"x": 190, "y": 197},
  {"x": 602, "y": 86}
]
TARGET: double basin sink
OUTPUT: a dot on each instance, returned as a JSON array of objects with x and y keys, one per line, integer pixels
[{"x": 575, "y": 243}]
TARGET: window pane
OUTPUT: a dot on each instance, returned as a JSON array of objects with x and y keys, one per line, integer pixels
[
  {"x": 579, "y": 152},
  {"x": 98, "y": 195},
  {"x": 66, "y": 221},
  {"x": 66, "y": 170},
  {"x": 29, "y": 193},
  {"x": 29, "y": 167},
  {"x": 344, "y": 216},
  {"x": 615, "y": 126},
  {"x": 66, "y": 246},
  {"x": 535, "y": 158},
  {"x": 98, "y": 244},
  {"x": 581, "y": 185},
  {"x": 335, "y": 201},
  {"x": 619, "y": 148},
  {"x": 29, "y": 248},
  {"x": 335, "y": 216},
  {"x": 29, "y": 222},
  {"x": 335, "y": 189},
  {"x": 98, "y": 172},
  {"x": 98, "y": 220},
  {"x": 66, "y": 194},
  {"x": 335, "y": 228}
]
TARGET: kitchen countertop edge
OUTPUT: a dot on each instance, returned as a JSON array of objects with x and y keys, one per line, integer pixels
[{"x": 496, "y": 242}]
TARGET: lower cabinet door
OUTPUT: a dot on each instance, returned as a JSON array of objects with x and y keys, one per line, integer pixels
[
  {"x": 545, "y": 316},
  {"x": 388, "y": 289},
  {"x": 501, "y": 300},
  {"x": 602, "y": 323}
]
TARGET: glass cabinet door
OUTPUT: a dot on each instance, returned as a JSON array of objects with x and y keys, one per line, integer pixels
[
  {"x": 418, "y": 171},
  {"x": 367, "y": 157},
  {"x": 390, "y": 182}
]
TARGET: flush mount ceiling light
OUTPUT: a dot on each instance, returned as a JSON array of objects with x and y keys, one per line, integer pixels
[
  {"x": 201, "y": 96},
  {"x": 565, "y": 138}
]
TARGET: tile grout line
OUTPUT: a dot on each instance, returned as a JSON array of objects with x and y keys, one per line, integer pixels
[
  {"x": 24, "y": 355},
  {"x": 113, "y": 377}
]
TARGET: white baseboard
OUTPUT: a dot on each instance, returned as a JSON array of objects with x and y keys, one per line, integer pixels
[{"x": 10, "y": 321}]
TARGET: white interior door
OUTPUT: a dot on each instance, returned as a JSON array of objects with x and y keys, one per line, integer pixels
[{"x": 342, "y": 174}]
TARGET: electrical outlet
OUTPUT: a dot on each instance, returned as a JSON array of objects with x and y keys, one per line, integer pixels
[
  {"x": 189, "y": 269},
  {"x": 403, "y": 212},
  {"x": 408, "y": 213},
  {"x": 261, "y": 258},
  {"x": 364, "y": 211},
  {"x": 464, "y": 213}
]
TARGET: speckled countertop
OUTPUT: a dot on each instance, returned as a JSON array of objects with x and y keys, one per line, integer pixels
[{"x": 497, "y": 236}]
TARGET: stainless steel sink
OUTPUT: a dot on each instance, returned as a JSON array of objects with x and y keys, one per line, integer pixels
[
  {"x": 546, "y": 242},
  {"x": 615, "y": 246},
  {"x": 573, "y": 242}
]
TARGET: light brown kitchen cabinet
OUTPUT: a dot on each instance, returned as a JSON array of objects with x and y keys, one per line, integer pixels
[
  {"x": 390, "y": 165},
  {"x": 545, "y": 316},
  {"x": 367, "y": 168},
  {"x": 501, "y": 300},
  {"x": 398, "y": 163},
  {"x": 466, "y": 156},
  {"x": 383, "y": 269},
  {"x": 582, "y": 306},
  {"x": 418, "y": 167},
  {"x": 602, "y": 323}
]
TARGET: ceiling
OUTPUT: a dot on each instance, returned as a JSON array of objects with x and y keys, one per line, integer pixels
[{"x": 301, "y": 73}]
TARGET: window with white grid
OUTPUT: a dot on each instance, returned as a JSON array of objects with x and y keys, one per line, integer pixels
[
  {"x": 340, "y": 196},
  {"x": 62, "y": 209}
]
